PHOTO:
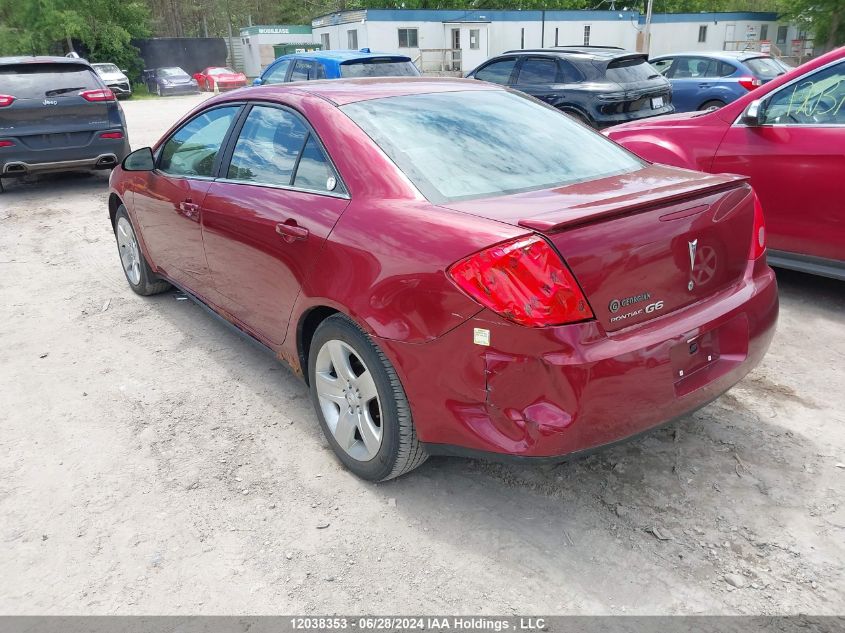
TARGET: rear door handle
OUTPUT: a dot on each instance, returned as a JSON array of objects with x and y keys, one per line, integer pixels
[{"x": 291, "y": 231}]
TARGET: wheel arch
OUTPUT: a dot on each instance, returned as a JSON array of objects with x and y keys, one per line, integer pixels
[
  {"x": 307, "y": 325},
  {"x": 114, "y": 205}
]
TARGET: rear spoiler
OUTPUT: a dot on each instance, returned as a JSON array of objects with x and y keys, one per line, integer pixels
[
  {"x": 613, "y": 207},
  {"x": 624, "y": 59}
]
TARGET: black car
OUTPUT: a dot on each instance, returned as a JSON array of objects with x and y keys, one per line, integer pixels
[
  {"x": 56, "y": 114},
  {"x": 170, "y": 81},
  {"x": 601, "y": 86}
]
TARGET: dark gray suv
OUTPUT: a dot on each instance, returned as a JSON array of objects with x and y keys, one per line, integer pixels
[
  {"x": 56, "y": 114},
  {"x": 599, "y": 85}
]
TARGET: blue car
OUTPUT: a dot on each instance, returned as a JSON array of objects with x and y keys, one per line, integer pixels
[
  {"x": 702, "y": 80},
  {"x": 336, "y": 64}
]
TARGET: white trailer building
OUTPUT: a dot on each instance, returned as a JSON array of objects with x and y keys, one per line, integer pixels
[
  {"x": 457, "y": 41},
  {"x": 257, "y": 42}
]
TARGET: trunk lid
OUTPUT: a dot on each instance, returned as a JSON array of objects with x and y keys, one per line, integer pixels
[
  {"x": 47, "y": 111},
  {"x": 641, "y": 87},
  {"x": 641, "y": 244}
]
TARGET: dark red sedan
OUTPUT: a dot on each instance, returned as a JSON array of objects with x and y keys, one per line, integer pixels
[
  {"x": 788, "y": 137},
  {"x": 453, "y": 267}
]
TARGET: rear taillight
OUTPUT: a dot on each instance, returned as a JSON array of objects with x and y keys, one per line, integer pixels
[
  {"x": 758, "y": 236},
  {"x": 525, "y": 281},
  {"x": 111, "y": 135},
  {"x": 6, "y": 143},
  {"x": 749, "y": 83},
  {"x": 100, "y": 94},
  {"x": 6, "y": 100}
]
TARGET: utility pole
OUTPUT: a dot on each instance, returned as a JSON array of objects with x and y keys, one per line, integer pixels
[{"x": 647, "y": 30}]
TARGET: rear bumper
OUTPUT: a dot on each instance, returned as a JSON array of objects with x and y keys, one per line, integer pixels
[
  {"x": 180, "y": 90},
  {"x": 551, "y": 392},
  {"x": 122, "y": 89},
  {"x": 604, "y": 120},
  {"x": 98, "y": 154}
]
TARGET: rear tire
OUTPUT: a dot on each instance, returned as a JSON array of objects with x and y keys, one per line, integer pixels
[
  {"x": 713, "y": 103},
  {"x": 580, "y": 117},
  {"x": 360, "y": 403},
  {"x": 138, "y": 273}
]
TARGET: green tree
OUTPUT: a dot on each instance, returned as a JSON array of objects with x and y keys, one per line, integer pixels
[
  {"x": 824, "y": 19},
  {"x": 102, "y": 29}
]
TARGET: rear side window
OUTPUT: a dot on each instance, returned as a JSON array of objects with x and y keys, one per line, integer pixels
[
  {"x": 662, "y": 65},
  {"x": 307, "y": 70},
  {"x": 36, "y": 81},
  {"x": 276, "y": 148},
  {"x": 764, "y": 67},
  {"x": 630, "y": 70},
  {"x": 379, "y": 68},
  {"x": 192, "y": 150},
  {"x": 538, "y": 70},
  {"x": 498, "y": 72},
  {"x": 279, "y": 72}
]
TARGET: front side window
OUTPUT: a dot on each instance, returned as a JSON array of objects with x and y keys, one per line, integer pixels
[
  {"x": 498, "y": 72},
  {"x": 279, "y": 73},
  {"x": 192, "y": 150},
  {"x": 275, "y": 147},
  {"x": 408, "y": 38},
  {"x": 818, "y": 99},
  {"x": 538, "y": 70},
  {"x": 460, "y": 145}
]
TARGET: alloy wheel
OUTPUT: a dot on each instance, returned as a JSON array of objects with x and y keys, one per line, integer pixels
[
  {"x": 349, "y": 399},
  {"x": 130, "y": 255}
]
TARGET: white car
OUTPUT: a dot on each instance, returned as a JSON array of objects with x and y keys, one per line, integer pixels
[{"x": 115, "y": 79}]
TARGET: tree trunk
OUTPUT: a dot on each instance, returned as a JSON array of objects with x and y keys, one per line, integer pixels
[{"x": 835, "y": 20}]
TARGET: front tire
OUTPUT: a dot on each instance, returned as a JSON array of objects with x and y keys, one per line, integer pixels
[
  {"x": 138, "y": 273},
  {"x": 360, "y": 403}
]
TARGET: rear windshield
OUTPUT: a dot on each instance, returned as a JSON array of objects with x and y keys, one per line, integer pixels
[
  {"x": 764, "y": 67},
  {"x": 460, "y": 145},
  {"x": 378, "y": 68},
  {"x": 630, "y": 70},
  {"x": 106, "y": 68},
  {"x": 221, "y": 71},
  {"x": 36, "y": 81},
  {"x": 171, "y": 72}
]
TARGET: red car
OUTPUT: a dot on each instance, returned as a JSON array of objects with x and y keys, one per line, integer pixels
[
  {"x": 219, "y": 78},
  {"x": 445, "y": 278},
  {"x": 788, "y": 137}
]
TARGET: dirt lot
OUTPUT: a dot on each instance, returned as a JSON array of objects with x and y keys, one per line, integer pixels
[{"x": 153, "y": 461}]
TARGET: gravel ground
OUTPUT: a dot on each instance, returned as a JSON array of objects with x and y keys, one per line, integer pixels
[{"x": 153, "y": 461}]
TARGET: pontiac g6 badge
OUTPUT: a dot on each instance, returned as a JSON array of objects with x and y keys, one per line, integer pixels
[{"x": 692, "y": 248}]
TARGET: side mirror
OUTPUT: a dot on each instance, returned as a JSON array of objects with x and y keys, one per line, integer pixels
[
  {"x": 751, "y": 116},
  {"x": 139, "y": 160},
  {"x": 257, "y": 81}
]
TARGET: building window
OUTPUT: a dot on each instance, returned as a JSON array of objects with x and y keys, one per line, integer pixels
[
  {"x": 352, "y": 39},
  {"x": 408, "y": 38},
  {"x": 782, "y": 35},
  {"x": 557, "y": 42},
  {"x": 522, "y": 38},
  {"x": 324, "y": 38},
  {"x": 586, "y": 35},
  {"x": 764, "y": 32},
  {"x": 702, "y": 33},
  {"x": 474, "y": 39}
]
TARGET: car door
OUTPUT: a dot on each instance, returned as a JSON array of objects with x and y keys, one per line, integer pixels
[
  {"x": 167, "y": 200},
  {"x": 267, "y": 218},
  {"x": 688, "y": 76},
  {"x": 537, "y": 76},
  {"x": 796, "y": 160},
  {"x": 499, "y": 71}
]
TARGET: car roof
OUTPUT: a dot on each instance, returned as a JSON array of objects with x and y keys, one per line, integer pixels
[
  {"x": 43, "y": 59},
  {"x": 340, "y": 56},
  {"x": 345, "y": 91},
  {"x": 723, "y": 55},
  {"x": 594, "y": 52}
]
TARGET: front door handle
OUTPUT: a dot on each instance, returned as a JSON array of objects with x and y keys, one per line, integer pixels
[{"x": 291, "y": 231}]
